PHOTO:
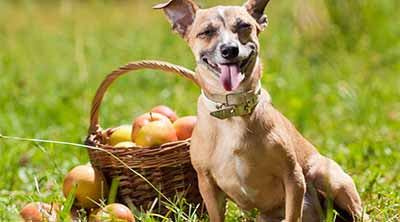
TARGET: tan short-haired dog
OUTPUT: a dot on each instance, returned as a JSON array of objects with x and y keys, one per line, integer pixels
[{"x": 242, "y": 147}]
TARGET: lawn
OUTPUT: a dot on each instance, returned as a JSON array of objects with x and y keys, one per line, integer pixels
[{"x": 332, "y": 67}]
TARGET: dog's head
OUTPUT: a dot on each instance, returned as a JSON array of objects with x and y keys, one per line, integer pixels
[{"x": 224, "y": 41}]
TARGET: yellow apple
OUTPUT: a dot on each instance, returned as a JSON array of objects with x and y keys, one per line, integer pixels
[
  {"x": 121, "y": 134},
  {"x": 125, "y": 144},
  {"x": 91, "y": 186}
]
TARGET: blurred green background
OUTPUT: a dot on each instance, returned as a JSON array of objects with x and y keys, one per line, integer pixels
[{"x": 331, "y": 66}]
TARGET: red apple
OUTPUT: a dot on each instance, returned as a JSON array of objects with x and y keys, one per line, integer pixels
[
  {"x": 166, "y": 111},
  {"x": 38, "y": 212},
  {"x": 144, "y": 120},
  {"x": 115, "y": 212},
  {"x": 184, "y": 127},
  {"x": 93, "y": 215},
  {"x": 156, "y": 133},
  {"x": 91, "y": 186}
]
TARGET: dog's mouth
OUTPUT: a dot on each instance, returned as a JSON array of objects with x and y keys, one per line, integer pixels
[{"x": 230, "y": 74}]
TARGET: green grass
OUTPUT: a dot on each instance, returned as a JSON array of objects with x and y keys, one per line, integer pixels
[{"x": 332, "y": 67}]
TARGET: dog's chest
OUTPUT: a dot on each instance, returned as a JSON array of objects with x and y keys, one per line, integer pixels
[{"x": 242, "y": 166}]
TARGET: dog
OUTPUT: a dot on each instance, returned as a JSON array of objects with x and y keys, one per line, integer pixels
[{"x": 242, "y": 148}]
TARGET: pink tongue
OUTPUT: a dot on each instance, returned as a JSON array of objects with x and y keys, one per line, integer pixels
[{"x": 230, "y": 76}]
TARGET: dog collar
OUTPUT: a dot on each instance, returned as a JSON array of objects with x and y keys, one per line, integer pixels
[{"x": 223, "y": 106}]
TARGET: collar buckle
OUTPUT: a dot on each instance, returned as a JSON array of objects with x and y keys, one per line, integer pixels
[
  {"x": 232, "y": 104},
  {"x": 250, "y": 101},
  {"x": 227, "y": 96}
]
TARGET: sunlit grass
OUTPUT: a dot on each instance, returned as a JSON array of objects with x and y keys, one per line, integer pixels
[{"x": 332, "y": 67}]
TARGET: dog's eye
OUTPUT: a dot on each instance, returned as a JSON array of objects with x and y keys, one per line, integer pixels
[
  {"x": 243, "y": 27},
  {"x": 209, "y": 32}
]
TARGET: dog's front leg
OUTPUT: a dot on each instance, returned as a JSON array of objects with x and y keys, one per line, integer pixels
[
  {"x": 295, "y": 187},
  {"x": 213, "y": 197}
]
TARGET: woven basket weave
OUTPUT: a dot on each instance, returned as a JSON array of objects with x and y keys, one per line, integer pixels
[{"x": 166, "y": 167}]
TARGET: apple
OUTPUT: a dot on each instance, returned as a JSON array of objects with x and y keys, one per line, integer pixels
[
  {"x": 91, "y": 186},
  {"x": 125, "y": 144},
  {"x": 166, "y": 111},
  {"x": 115, "y": 212},
  {"x": 93, "y": 215},
  {"x": 184, "y": 127},
  {"x": 156, "y": 133},
  {"x": 121, "y": 134},
  {"x": 38, "y": 212},
  {"x": 145, "y": 119}
]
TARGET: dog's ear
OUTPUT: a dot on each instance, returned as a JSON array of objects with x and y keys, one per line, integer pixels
[
  {"x": 180, "y": 13},
  {"x": 256, "y": 9}
]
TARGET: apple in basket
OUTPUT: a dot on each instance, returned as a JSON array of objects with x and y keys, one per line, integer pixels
[
  {"x": 37, "y": 212},
  {"x": 91, "y": 186},
  {"x": 145, "y": 119},
  {"x": 184, "y": 127},
  {"x": 125, "y": 144},
  {"x": 152, "y": 129},
  {"x": 166, "y": 111},
  {"x": 121, "y": 134},
  {"x": 112, "y": 212}
]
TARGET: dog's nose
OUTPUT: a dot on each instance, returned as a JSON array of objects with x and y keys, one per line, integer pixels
[{"x": 229, "y": 51}]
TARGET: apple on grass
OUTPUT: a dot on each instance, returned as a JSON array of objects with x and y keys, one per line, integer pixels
[
  {"x": 121, "y": 134},
  {"x": 184, "y": 127},
  {"x": 113, "y": 212},
  {"x": 38, "y": 212},
  {"x": 166, "y": 111},
  {"x": 93, "y": 215},
  {"x": 91, "y": 186}
]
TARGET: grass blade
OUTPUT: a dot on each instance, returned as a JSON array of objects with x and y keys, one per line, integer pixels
[
  {"x": 113, "y": 190},
  {"x": 64, "y": 214}
]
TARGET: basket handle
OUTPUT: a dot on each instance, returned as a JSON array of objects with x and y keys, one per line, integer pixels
[{"x": 144, "y": 64}]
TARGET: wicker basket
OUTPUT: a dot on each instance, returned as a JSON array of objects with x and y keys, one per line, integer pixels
[{"x": 166, "y": 167}]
